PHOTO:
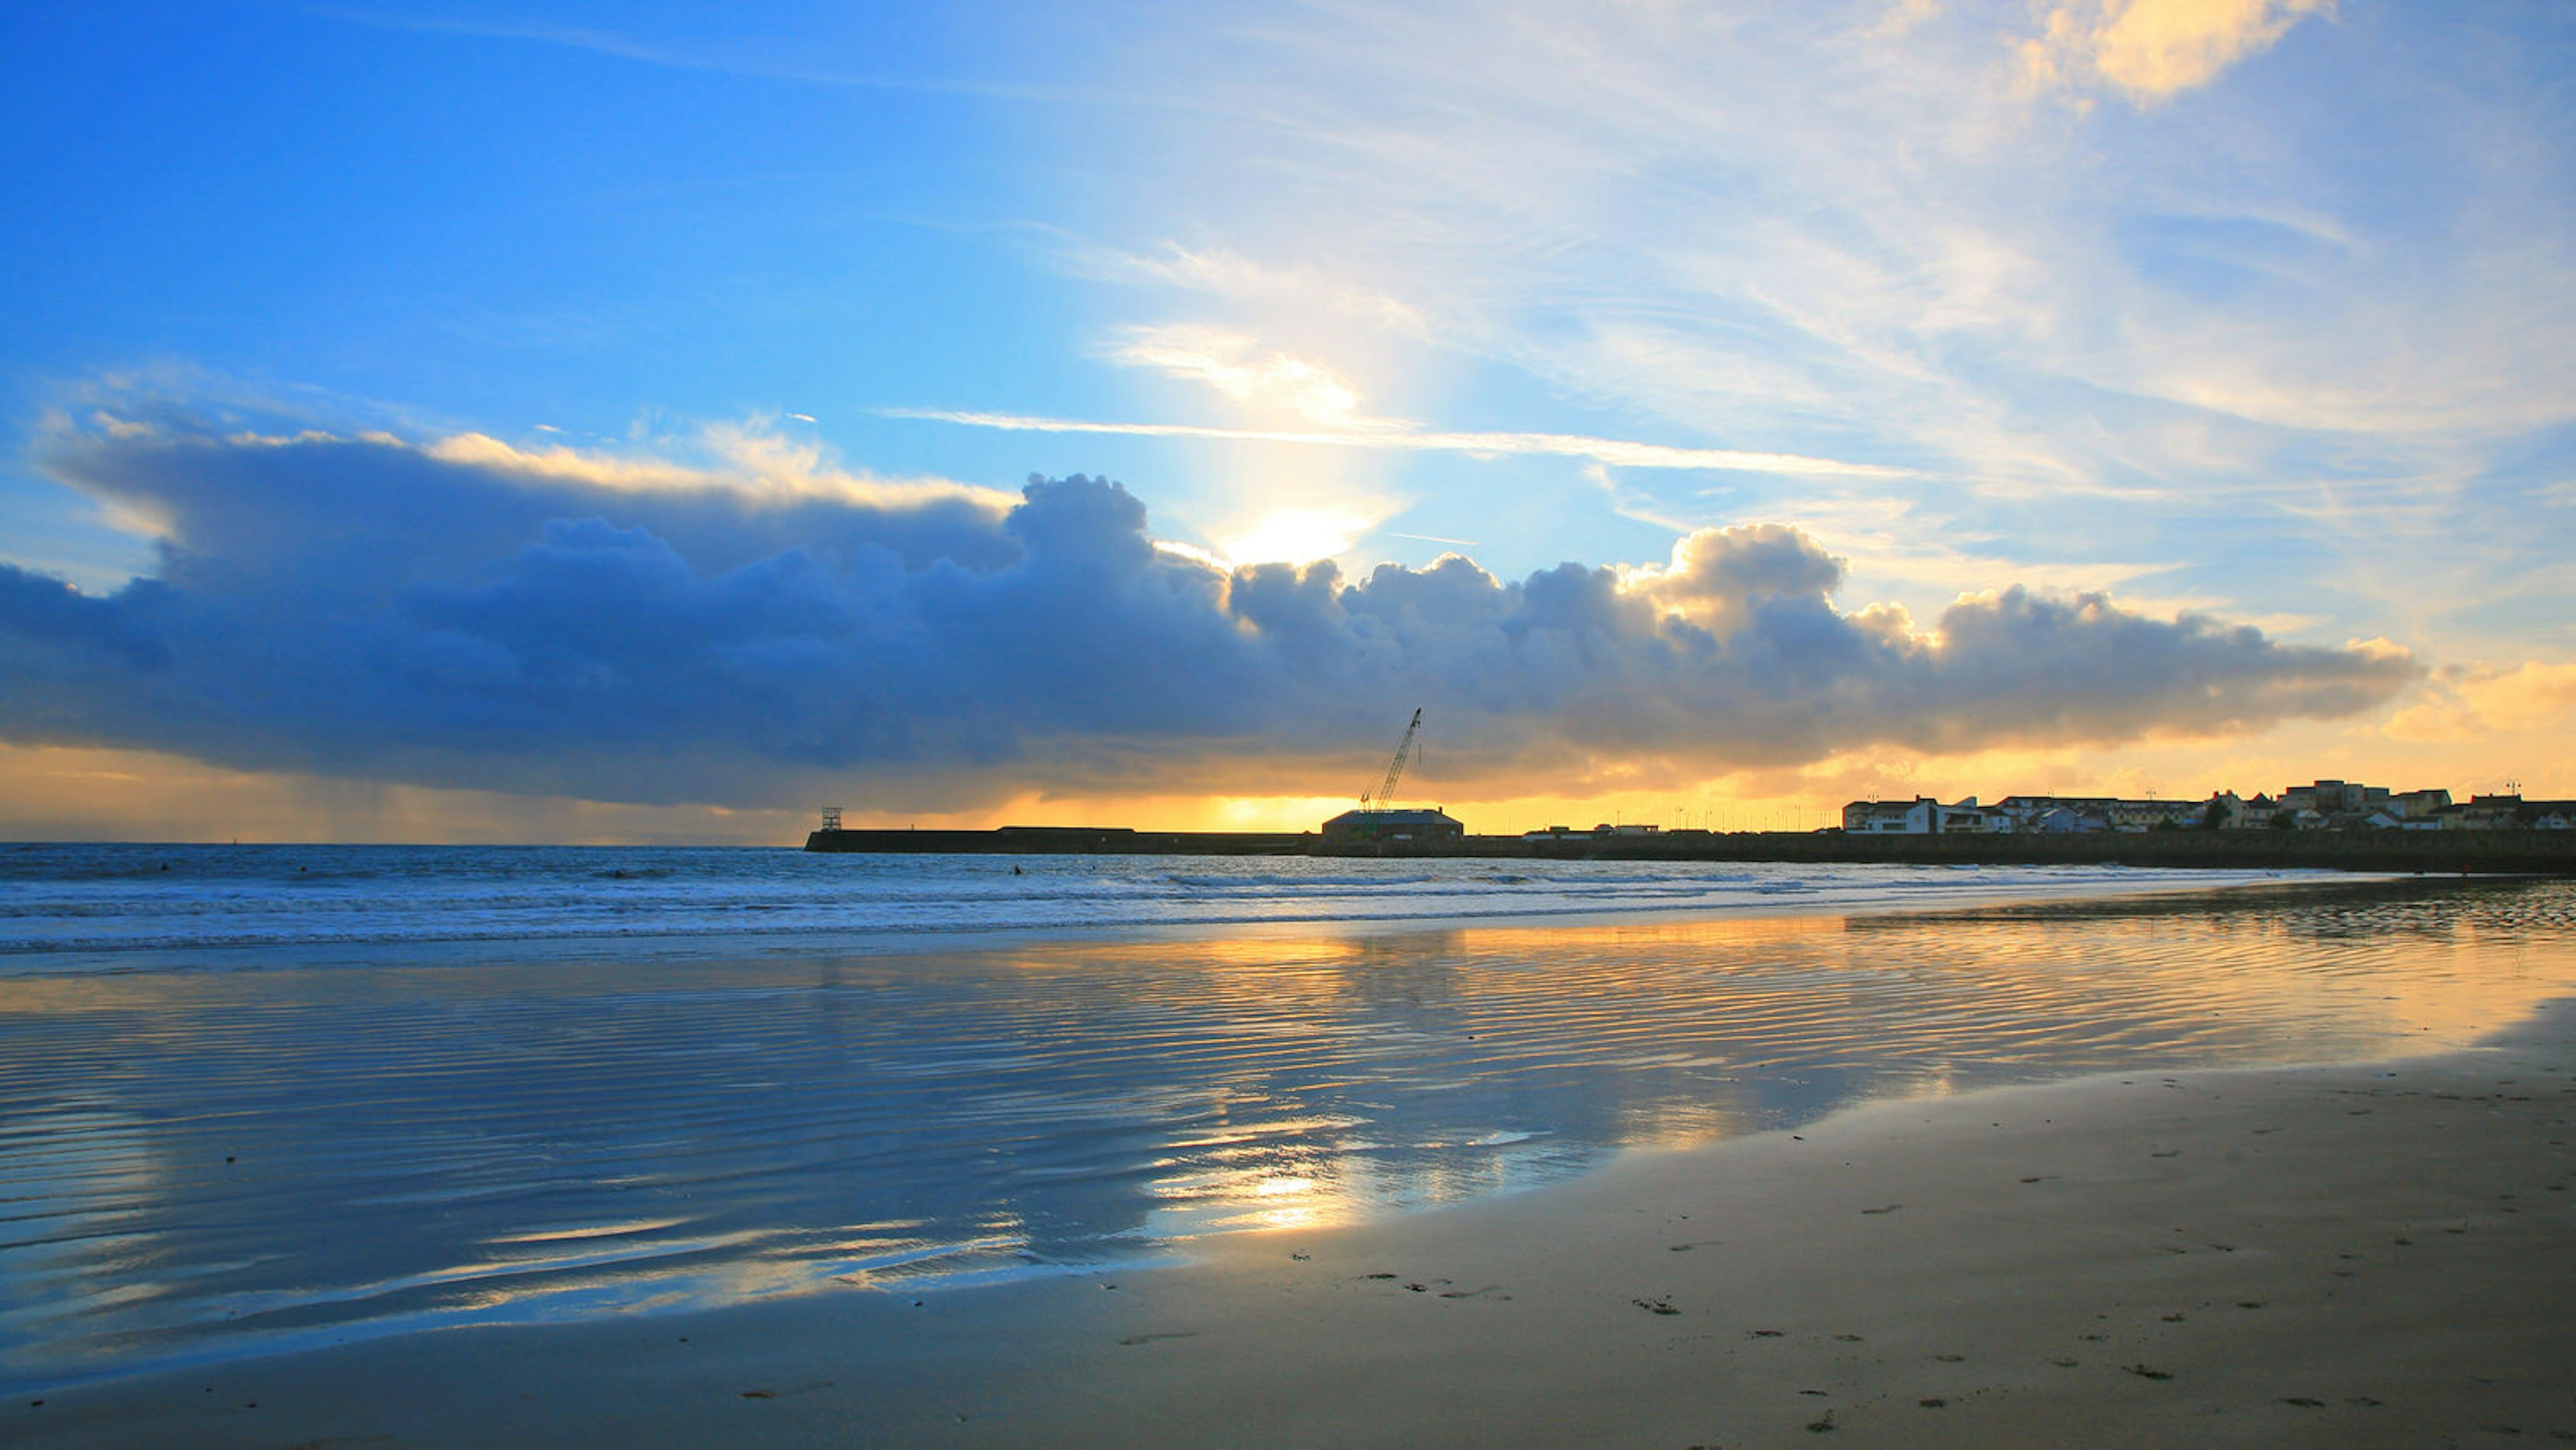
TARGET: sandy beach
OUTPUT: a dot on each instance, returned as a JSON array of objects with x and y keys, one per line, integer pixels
[{"x": 2371, "y": 1255}]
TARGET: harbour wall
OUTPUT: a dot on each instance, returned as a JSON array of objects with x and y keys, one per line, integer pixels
[{"x": 2519, "y": 852}]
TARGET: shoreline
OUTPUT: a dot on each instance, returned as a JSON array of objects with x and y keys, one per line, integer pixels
[
  {"x": 2349, "y": 1254},
  {"x": 647, "y": 945}
]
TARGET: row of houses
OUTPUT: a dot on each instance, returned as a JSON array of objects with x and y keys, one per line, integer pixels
[{"x": 2326, "y": 805}]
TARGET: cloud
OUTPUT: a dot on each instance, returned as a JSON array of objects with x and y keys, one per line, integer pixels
[
  {"x": 1716, "y": 573},
  {"x": 2474, "y": 702},
  {"x": 1295, "y": 291},
  {"x": 805, "y": 61},
  {"x": 377, "y": 609},
  {"x": 1614, "y": 451},
  {"x": 51, "y": 611},
  {"x": 1903, "y": 17},
  {"x": 2335, "y": 272},
  {"x": 2153, "y": 49},
  {"x": 2533, "y": 696},
  {"x": 1227, "y": 362},
  {"x": 1298, "y": 535}
]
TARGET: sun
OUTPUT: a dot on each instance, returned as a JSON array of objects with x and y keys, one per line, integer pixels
[{"x": 1295, "y": 536}]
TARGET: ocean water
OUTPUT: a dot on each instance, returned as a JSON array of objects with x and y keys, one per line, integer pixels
[
  {"x": 89, "y": 907},
  {"x": 277, "y": 1096}
]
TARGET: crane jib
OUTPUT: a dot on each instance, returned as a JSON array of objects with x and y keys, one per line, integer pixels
[{"x": 1395, "y": 768}]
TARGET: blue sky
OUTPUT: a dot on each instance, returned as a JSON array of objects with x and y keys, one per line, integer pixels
[{"x": 612, "y": 421}]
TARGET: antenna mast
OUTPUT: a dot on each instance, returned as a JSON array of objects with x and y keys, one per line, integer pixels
[{"x": 1395, "y": 768}]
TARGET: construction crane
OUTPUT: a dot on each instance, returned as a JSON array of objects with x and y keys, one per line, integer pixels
[{"x": 1395, "y": 767}]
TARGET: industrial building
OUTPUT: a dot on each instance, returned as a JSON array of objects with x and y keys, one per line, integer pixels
[
  {"x": 1413, "y": 827},
  {"x": 1380, "y": 824}
]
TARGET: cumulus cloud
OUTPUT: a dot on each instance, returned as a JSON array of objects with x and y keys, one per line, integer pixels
[{"x": 459, "y": 616}]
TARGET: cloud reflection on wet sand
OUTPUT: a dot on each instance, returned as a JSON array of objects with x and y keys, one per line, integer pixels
[{"x": 200, "y": 1164}]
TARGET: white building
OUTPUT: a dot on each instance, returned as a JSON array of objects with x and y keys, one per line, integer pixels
[{"x": 1923, "y": 816}]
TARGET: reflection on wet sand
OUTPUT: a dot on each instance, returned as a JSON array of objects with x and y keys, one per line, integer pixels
[{"x": 196, "y": 1163}]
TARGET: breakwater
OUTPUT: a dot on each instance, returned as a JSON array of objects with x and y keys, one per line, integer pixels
[
  {"x": 1073, "y": 841},
  {"x": 2517, "y": 852}
]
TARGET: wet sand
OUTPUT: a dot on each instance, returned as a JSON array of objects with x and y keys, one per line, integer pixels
[{"x": 2355, "y": 1255}]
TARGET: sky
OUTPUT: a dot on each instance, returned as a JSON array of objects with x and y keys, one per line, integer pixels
[{"x": 653, "y": 422}]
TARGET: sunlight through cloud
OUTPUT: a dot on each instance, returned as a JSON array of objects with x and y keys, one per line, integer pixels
[{"x": 1296, "y": 536}]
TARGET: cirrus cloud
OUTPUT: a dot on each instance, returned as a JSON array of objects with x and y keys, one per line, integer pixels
[{"x": 1619, "y": 452}]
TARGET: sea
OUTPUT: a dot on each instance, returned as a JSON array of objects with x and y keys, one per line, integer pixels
[
  {"x": 258, "y": 1098},
  {"x": 115, "y": 907}
]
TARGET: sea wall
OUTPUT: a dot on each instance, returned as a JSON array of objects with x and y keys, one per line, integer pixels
[
  {"x": 2547, "y": 852},
  {"x": 1067, "y": 841},
  {"x": 2542, "y": 852}
]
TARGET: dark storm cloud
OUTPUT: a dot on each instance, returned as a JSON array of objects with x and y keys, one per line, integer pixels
[{"x": 472, "y": 616}]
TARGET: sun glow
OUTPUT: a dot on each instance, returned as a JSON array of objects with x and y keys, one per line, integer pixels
[{"x": 1296, "y": 536}]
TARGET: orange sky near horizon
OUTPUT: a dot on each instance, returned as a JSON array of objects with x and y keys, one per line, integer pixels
[{"x": 90, "y": 793}]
